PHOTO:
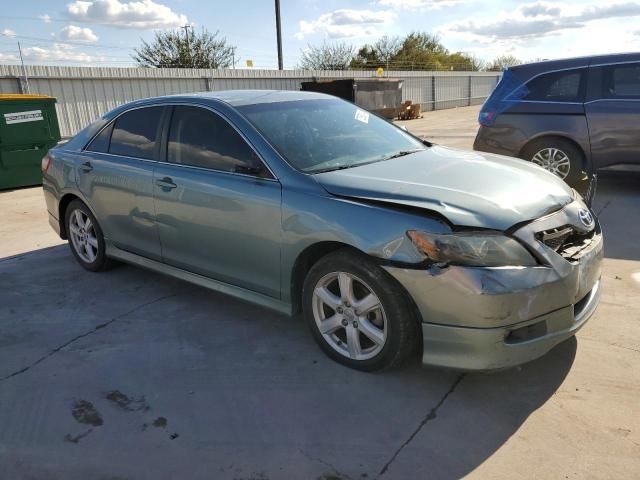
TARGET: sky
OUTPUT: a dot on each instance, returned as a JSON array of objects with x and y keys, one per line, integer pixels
[{"x": 104, "y": 32}]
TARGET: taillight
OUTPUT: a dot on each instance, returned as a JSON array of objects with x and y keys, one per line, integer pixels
[
  {"x": 46, "y": 163},
  {"x": 486, "y": 119}
]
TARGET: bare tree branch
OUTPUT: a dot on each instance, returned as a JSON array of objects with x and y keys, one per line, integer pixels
[{"x": 172, "y": 49}]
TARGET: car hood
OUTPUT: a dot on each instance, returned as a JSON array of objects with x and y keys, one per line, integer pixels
[{"x": 469, "y": 188}]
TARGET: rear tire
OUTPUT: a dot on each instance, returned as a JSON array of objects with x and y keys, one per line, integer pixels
[
  {"x": 358, "y": 314},
  {"x": 85, "y": 237},
  {"x": 558, "y": 156}
]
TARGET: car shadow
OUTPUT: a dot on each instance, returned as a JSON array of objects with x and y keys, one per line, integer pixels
[
  {"x": 481, "y": 414},
  {"x": 237, "y": 384},
  {"x": 617, "y": 205}
]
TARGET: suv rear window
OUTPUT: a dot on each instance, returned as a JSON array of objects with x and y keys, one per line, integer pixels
[
  {"x": 622, "y": 81},
  {"x": 135, "y": 133},
  {"x": 562, "y": 86}
]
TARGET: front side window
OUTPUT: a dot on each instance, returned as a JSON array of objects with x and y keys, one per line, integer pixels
[
  {"x": 622, "y": 81},
  {"x": 201, "y": 138},
  {"x": 328, "y": 134},
  {"x": 564, "y": 86},
  {"x": 135, "y": 133}
]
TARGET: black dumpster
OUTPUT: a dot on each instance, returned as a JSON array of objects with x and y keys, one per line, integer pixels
[{"x": 380, "y": 95}]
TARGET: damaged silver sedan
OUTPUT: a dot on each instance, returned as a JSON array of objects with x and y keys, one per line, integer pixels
[{"x": 391, "y": 247}]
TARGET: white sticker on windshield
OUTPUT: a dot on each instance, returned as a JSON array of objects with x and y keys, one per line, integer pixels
[{"x": 362, "y": 116}]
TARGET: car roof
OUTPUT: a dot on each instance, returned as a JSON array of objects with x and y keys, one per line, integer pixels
[
  {"x": 238, "y": 98},
  {"x": 529, "y": 69}
]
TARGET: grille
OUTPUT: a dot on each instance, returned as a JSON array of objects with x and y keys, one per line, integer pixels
[
  {"x": 567, "y": 242},
  {"x": 555, "y": 237}
]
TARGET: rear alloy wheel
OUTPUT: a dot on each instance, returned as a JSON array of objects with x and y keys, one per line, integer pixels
[
  {"x": 358, "y": 314},
  {"x": 558, "y": 156},
  {"x": 554, "y": 160},
  {"x": 85, "y": 237}
]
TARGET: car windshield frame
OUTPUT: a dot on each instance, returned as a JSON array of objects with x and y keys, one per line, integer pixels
[{"x": 412, "y": 145}]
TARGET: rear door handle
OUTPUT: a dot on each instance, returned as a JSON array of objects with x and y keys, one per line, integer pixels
[
  {"x": 86, "y": 167},
  {"x": 166, "y": 183}
]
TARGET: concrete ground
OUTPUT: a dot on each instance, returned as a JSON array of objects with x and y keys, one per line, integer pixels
[
  {"x": 131, "y": 375},
  {"x": 453, "y": 127}
]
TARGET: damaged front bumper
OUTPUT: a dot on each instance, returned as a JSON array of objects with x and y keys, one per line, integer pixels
[{"x": 491, "y": 318}]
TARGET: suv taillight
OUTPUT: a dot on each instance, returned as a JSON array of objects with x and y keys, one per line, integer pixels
[
  {"x": 486, "y": 119},
  {"x": 46, "y": 163}
]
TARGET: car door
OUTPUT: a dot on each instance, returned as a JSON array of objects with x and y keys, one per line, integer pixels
[
  {"x": 115, "y": 174},
  {"x": 217, "y": 205},
  {"x": 613, "y": 113}
]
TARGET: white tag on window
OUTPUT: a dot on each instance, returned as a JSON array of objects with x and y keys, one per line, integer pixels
[{"x": 362, "y": 116}]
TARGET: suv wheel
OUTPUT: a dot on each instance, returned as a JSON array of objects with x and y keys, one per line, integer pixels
[
  {"x": 85, "y": 237},
  {"x": 557, "y": 156},
  {"x": 358, "y": 314}
]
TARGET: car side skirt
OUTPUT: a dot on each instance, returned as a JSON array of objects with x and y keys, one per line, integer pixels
[{"x": 272, "y": 303}]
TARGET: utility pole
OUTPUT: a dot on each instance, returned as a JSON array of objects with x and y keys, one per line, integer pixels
[
  {"x": 186, "y": 36},
  {"x": 279, "y": 34},
  {"x": 24, "y": 70}
]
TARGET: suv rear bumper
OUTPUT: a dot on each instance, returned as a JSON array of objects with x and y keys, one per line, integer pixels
[{"x": 501, "y": 145}]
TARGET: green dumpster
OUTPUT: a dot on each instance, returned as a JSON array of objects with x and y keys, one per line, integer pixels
[{"x": 28, "y": 129}]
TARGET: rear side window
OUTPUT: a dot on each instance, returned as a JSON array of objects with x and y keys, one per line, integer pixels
[
  {"x": 565, "y": 86},
  {"x": 135, "y": 133},
  {"x": 200, "y": 138},
  {"x": 622, "y": 81},
  {"x": 100, "y": 143}
]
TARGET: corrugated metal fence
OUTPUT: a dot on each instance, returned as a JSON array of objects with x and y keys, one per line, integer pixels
[{"x": 86, "y": 93}]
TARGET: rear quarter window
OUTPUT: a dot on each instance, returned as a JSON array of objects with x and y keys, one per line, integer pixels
[
  {"x": 136, "y": 133},
  {"x": 622, "y": 81},
  {"x": 563, "y": 86},
  {"x": 100, "y": 142}
]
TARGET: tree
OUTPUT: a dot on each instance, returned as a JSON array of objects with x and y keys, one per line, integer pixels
[
  {"x": 475, "y": 64},
  {"x": 503, "y": 62},
  {"x": 173, "y": 49},
  {"x": 380, "y": 54},
  {"x": 422, "y": 51},
  {"x": 328, "y": 56},
  {"x": 417, "y": 51}
]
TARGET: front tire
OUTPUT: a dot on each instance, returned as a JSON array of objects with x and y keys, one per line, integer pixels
[
  {"x": 359, "y": 315},
  {"x": 85, "y": 237}
]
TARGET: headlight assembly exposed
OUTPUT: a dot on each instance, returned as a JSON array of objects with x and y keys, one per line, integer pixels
[{"x": 474, "y": 249}]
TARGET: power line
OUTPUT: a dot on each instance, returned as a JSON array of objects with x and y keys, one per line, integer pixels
[{"x": 66, "y": 42}]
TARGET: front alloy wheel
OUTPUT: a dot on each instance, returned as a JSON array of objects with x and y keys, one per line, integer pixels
[
  {"x": 359, "y": 314},
  {"x": 349, "y": 316}
]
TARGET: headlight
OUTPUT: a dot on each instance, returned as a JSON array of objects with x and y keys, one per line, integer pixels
[{"x": 475, "y": 249}]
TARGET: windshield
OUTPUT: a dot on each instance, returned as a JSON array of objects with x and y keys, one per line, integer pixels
[{"x": 328, "y": 134}]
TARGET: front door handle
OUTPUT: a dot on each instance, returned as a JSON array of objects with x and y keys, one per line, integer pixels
[
  {"x": 166, "y": 183},
  {"x": 86, "y": 167}
]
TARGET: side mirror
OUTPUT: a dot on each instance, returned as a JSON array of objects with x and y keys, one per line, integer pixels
[{"x": 255, "y": 171}]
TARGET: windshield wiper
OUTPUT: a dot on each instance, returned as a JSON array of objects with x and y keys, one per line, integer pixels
[
  {"x": 402, "y": 153},
  {"x": 333, "y": 169}
]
